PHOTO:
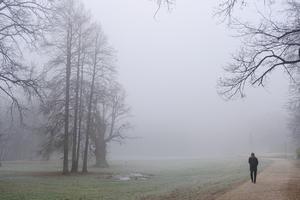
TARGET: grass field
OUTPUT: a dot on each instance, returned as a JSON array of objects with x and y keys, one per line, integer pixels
[{"x": 173, "y": 179}]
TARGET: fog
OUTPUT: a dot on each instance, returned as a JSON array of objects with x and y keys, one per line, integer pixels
[{"x": 169, "y": 65}]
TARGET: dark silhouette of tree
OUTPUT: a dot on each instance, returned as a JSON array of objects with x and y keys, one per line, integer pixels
[
  {"x": 77, "y": 75},
  {"x": 83, "y": 23},
  {"x": 268, "y": 45},
  {"x": 110, "y": 120},
  {"x": 101, "y": 60},
  {"x": 64, "y": 45},
  {"x": 21, "y": 26}
]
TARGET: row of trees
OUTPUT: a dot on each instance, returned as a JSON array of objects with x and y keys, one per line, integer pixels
[
  {"x": 82, "y": 104},
  {"x": 82, "y": 94}
]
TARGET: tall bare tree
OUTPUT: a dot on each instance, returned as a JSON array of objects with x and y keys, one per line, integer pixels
[
  {"x": 80, "y": 118},
  {"x": 62, "y": 43},
  {"x": 100, "y": 56},
  {"x": 83, "y": 29}
]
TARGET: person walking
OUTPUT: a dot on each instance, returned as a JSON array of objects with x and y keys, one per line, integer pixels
[{"x": 253, "y": 162}]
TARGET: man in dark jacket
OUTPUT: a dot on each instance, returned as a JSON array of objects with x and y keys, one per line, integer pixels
[{"x": 253, "y": 162}]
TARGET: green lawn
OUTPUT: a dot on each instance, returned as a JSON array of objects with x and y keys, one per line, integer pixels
[{"x": 32, "y": 180}]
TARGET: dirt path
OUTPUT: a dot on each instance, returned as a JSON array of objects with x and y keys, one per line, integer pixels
[{"x": 280, "y": 181}]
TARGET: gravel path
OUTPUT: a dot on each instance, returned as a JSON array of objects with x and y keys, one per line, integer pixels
[{"x": 280, "y": 181}]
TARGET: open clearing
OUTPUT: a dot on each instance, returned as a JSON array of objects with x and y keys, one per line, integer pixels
[{"x": 34, "y": 180}]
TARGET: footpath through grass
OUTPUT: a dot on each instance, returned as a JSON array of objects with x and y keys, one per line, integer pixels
[{"x": 32, "y": 180}]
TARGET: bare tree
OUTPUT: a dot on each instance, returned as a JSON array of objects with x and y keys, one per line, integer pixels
[
  {"x": 268, "y": 45},
  {"x": 21, "y": 25},
  {"x": 95, "y": 63},
  {"x": 117, "y": 115},
  {"x": 226, "y": 8},
  {"x": 160, "y": 3},
  {"x": 110, "y": 120},
  {"x": 83, "y": 23},
  {"x": 62, "y": 42},
  {"x": 81, "y": 114},
  {"x": 99, "y": 65}
]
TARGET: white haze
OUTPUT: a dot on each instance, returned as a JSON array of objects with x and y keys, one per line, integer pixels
[{"x": 169, "y": 66}]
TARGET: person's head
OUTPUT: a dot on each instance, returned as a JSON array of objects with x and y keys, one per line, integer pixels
[{"x": 252, "y": 154}]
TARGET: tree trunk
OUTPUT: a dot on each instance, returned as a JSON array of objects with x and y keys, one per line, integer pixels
[
  {"x": 100, "y": 143},
  {"x": 67, "y": 102},
  {"x": 80, "y": 118},
  {"x": 100, "y": 152},
  {"x": 88, "y": 127},
  {"x": 74, "y": 159},
  {"x": 85, "y": 155}
]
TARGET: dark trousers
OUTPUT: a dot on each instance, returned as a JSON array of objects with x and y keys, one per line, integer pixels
[{"x": 253, "y": 175}]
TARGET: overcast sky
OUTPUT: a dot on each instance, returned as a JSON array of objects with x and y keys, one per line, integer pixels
[{"x": 169, "y": 67}]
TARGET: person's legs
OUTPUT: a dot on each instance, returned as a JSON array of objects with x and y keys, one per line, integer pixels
[
  {"x": 251, "y": 175},
  {"x": 254, "y": 178}
]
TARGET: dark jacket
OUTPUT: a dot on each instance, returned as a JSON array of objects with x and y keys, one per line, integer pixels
[{"x": 253, "y": 162}]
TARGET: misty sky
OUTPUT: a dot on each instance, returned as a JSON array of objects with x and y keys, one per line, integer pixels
[{"x": 169, "y": 67}]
